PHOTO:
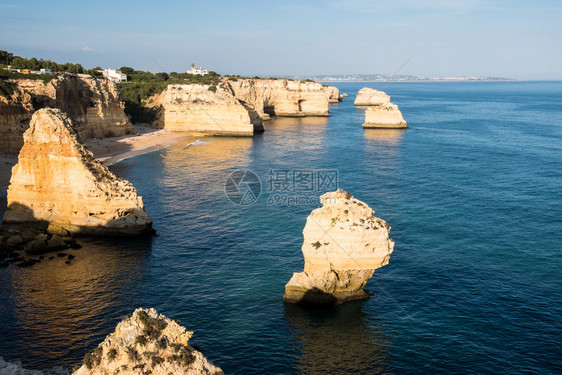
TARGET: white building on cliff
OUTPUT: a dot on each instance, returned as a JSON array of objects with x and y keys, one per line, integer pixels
[
  {"x": 199, "y": 71},
  {"x": 114, "y": 75}
]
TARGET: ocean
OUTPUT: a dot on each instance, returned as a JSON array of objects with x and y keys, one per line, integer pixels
[{"x": 472, "y": 191}]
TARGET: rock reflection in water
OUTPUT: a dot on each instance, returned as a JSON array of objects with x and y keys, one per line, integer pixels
[
  {"x": 390, "y": 136},
  {"x": 337, "y": 340},
  {"x": 58, "y": 309}
]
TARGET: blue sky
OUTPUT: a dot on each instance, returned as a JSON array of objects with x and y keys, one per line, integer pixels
[{"x": 517, "y": 39}]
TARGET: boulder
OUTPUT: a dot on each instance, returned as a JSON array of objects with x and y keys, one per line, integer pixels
[
  {"x": 343, "y": 245},
  {"x": 57, "y": 182}
]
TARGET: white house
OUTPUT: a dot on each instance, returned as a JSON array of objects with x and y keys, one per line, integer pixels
[
  {"x": 199, "y": 71},
  {"x": 114, "y": 75}
]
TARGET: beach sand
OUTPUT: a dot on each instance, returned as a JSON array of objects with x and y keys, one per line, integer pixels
[{"x": 113, "y": 149}]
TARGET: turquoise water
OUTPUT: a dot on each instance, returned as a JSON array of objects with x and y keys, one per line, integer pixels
[{"x": 472, "y": 191}]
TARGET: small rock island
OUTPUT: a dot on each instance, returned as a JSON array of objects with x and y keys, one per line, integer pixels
[
  {"x": 343, "y": 245},
  {"x": 380, "y": 113},
  {"x": 57, "y": 183}
]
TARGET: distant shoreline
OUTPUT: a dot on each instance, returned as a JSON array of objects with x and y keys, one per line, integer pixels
[{"x": 430, "y": 80}]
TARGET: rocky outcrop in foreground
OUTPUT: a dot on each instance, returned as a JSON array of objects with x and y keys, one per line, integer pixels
[
  {"x": 282, "y": 97},
  {"x": 368, "y": 96},
  {"x": 96, "y": 107},
  {"x": 58, "y": 184},
  {"x": 147, "y": 343},
  {"x": 386, "y": 116},
  {"x": 205, "y": 109},
  {"x": 343, "y": 245}
]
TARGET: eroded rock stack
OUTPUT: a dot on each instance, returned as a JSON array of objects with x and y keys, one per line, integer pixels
[
  {"x": 147, "y": 343},
  {"x": 205, "y": 109},
  {"x": 380, "y": 112},
  {"x": 385, "y": 116},
  {"x": 282, "y": 97},
  {"x": 368, "y": 96},
  {"x": 96, "y": 107},
  {"x": 343, "y": 245},
  {"x": 58, "y": 183}
]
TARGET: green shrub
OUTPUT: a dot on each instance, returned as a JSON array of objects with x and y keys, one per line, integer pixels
[
  {"x": 112, "y": 354},
  {"x": 316, "y": 244},
  {"x": 212, "y": 88}
]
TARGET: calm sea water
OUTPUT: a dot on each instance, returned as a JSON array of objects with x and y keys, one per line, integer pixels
[{"x": 472, "y": 191}]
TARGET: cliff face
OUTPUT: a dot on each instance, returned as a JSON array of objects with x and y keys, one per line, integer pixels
[
  {"x": 368, "y": 96},
  {"x": 147, "y": 343},
  {"x": 96, "y": 107},
  {"x": 58, "y": 182},
  {"x": 282, "y": 97},
  {"x": 333, "y": 94},
  {"x": 386, "y": 116},
  {"x": 195, "y": 108},
  {"x": 343, "y": 244}
]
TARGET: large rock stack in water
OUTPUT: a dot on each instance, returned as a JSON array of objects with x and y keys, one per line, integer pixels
[
  {"x": 58, "y": 183},
  {"x": 147, "y": 343},
  {"x": 343, "y": 245},
  {"x": 380, "y": 112}
]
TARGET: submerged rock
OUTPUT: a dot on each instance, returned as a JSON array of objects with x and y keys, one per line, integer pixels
[
  {"x": 386, "y": 116},
  {"x": 368, "y": 96},
  {"x": 343, "y": 245},
  {"x": 147, "y": 342},
  {"x": 58, "y": 182}
]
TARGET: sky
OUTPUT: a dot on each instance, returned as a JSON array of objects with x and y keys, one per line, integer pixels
[{"x": 513, "y": 39}]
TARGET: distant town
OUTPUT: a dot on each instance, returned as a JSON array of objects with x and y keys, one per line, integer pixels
[{"x": 388, "y": 77}]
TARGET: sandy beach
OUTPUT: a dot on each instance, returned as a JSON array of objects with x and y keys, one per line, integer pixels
[{"x": 111, "y": 150}]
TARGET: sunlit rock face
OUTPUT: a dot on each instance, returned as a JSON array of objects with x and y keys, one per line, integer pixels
[
  {"x": 343, "y": 245},
  {"x": 58, "y": 182},
  {"x": 282, "y": 97},
  {"x": 386, "y": 116},
  {"x": 205, "y": 109},
  {"x": 333, "y": 94},
  {"x": 368, "y": 96},
  {"x": 96, "y": 107},
  {"x": 147, "y": 343}
]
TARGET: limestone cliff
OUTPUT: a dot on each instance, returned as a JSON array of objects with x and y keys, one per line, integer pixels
[
  {"x": 282, "y": 97},
  {"x": 58, "y": 182},
  {"x": 386, "y": 116},
  {"x": 147, "y": 343},
  {"x": 95, "y": 106},
  {"x": 333, "y": 94},
  {"x": 196, "y": 108},
  {"x": 343, "y": 244},
  {"x": 368, "y": 96}
]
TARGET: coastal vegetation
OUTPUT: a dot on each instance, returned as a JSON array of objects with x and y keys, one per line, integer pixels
[{"x": 141, "y": 85}]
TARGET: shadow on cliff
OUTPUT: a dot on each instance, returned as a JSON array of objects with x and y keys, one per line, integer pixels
[
  {"x": 18, "y": 216},
  {"x": 339, "y": 340}
]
